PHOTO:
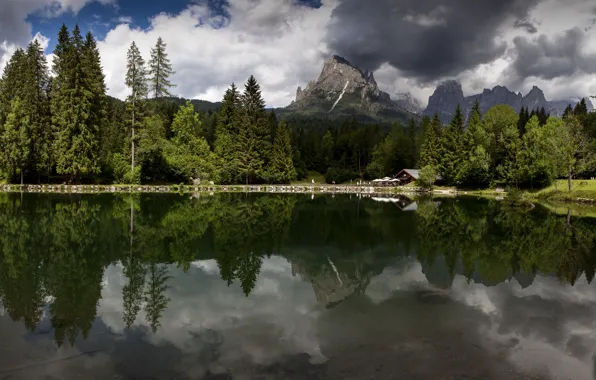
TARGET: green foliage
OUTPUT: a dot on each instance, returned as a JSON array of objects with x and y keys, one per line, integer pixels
[
  {"x": 430, "y": 154},
  {"x": 136, "y": 81},
  {"x": 16, "y": 139},
  {"x": 77, "y": 103},
  {"x": 187, "y": 153},
  {"x": 339, "y": 175},
  {"x": 453, "y": 153},
  {"x": 281, "y": 167},
  {"x": 428, "y": 177},
  {"x": 253, "y": 137},
  {"x": 160, "y": 70}
]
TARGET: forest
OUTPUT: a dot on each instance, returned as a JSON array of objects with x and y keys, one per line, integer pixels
[{"x": 58, "y": 125}]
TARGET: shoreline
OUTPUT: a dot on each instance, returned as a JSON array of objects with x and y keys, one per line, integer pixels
[
  {"x": 165, "y": 189},
  {"x": 557, "y": 197}
]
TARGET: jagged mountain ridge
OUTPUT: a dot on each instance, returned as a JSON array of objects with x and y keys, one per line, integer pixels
[
  {"x": 342, "y": 89},
  {"x": 449, "y": 94}
]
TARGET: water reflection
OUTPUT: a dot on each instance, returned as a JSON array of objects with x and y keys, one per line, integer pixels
[{"x": 263, "y": 285}]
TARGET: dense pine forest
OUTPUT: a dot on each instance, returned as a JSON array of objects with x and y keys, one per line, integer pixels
[{"x": 58, "y": 125}]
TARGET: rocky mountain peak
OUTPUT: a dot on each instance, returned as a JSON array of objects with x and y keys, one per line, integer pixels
[
  {"x": 446, "y": 97},
  {"x": 342, "y": 85},
  {"x": 535, "y": 99}
]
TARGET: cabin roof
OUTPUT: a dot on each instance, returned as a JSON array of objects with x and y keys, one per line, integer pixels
[{"x": 414, "y": 173}]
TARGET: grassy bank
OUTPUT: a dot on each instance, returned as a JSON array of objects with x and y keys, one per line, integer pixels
[{"x": 581, "y": 191}]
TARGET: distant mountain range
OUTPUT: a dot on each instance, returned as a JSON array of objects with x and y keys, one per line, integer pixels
[
  {"x": 343, "y": 90},
  {"x": 449, "y": 94}
]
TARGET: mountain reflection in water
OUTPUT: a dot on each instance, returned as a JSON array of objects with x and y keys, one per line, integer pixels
[{"x": 257, "y": 286}]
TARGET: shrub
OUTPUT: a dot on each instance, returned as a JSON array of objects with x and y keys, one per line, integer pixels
[{"x": 340, "y": 175}]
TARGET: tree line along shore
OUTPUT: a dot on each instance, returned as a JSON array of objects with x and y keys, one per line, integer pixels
[{"x": 59, "y": 126}]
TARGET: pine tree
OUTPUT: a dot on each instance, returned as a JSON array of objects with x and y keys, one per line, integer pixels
[
  {"x": 430, "y": 154},
  {"x": 136, "y": 81},
  {"x": 542, "y": 116},
  {"x": 253, "y": 137},
  {"x": 76, "y": 144},
  {"x": 452, "y": 150},
  {"x": 59, "y": 88},
  {"x": 160, "y": 70},
  {"x": 568, "y": 111},
  {"x": 475, "y": 109},
  {"x": 474, "y": 170},
  {"x": 11, "y": 88},
  {"x": 16, "y": 139},
  {"x": 11, "y": 82},
  {"x": 281, "y": 167},
  {"x": 226, "y": 135},
  {"x": 581, "y": 108},
  {"x": 36, "y": 103},
  {"x": 521, "y": 123},
  {"x": 94, "y": 83}
]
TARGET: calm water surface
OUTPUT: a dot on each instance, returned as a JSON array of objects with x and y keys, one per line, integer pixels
[{"x": 293, "y": 287}]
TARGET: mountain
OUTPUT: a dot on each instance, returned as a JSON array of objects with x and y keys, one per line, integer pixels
[
  {"x": 449, "y": 94},
  {"x": 343, "y": 90}
]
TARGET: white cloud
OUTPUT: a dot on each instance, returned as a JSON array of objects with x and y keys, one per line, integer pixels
[
  {"x": 279, "y": 42},
  {"x": 16, "y": 32}
]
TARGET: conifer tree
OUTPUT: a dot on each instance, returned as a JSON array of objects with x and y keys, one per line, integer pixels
[
  {"x": 11, "y": 82},
  {"x": 36, "y": 104},
  {"x": 581, "y": 108},
  {"x": 16, "y": 139},
  {"x": 430, "y": 154},
  {"x": 281, "y": 167},
  {"x": 253, "y": 137},
  {"x": 474, "y": 170},
  {"x": 568, "y": 111},
  {"x": 94, "y": 82},
  {"x": 76, "y": 143},
  {"x": 452, "y": 152},
  {"x": 226, "y": 135},
  {"x": 160, "y": 70},
  {"x": 523, "y": 120},
  {"x": 136, "y": 81}
]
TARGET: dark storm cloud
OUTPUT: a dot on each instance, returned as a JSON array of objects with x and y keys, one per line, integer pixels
[
  {"x": 525, "y": 24},
  {"x": 551, "y": 58},
  {"x": 426, "y": 39}
]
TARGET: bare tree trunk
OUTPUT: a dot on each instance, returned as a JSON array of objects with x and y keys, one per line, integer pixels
[
  {"x": 132, "y": 140},
  {"x": 569, "y": 182},
  {"x": 21, "y": 176}
]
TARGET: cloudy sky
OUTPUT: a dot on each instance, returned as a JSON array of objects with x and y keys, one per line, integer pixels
[{"x": 410, "y": 44}]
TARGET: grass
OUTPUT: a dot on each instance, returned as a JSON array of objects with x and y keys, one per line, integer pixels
[
  {"x": 318, "y": 177},
  {"x": 580, "y": 190}
]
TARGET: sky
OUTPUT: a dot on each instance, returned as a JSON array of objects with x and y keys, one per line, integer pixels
[{"x": 411, "y": 45}]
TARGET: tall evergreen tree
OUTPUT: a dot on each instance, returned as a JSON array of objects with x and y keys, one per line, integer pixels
[
  {"x": 253, "y": 137},
  {"x": 523, "y": 120},
  {"x": 452, "y": 148},
  {"x": 160, "y": 70},
  {"x": 581, "y": 108},
  {"x": 94, "y": 83},
  {"x": 136, "y": 81},
  {"x": 430, "y": 154},
  {"x": 36, "y": 104},
  {"x": 76, "y": 144},
  {"x": 226, "y": 135},
  {"x": 281, "y": 167},
  {"x": 11, "y": 82},
  {"x": 16, "y": 139},
  {"x": 568, "y": 111}
]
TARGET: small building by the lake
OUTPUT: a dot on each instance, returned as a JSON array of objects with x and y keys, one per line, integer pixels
[{"x": 407, "y": 176}]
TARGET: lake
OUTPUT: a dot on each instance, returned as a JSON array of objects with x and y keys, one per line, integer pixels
[{"x": 258, "y": 286}]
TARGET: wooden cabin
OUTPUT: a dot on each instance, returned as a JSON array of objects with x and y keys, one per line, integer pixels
[{"x": 408, "y": 176}]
